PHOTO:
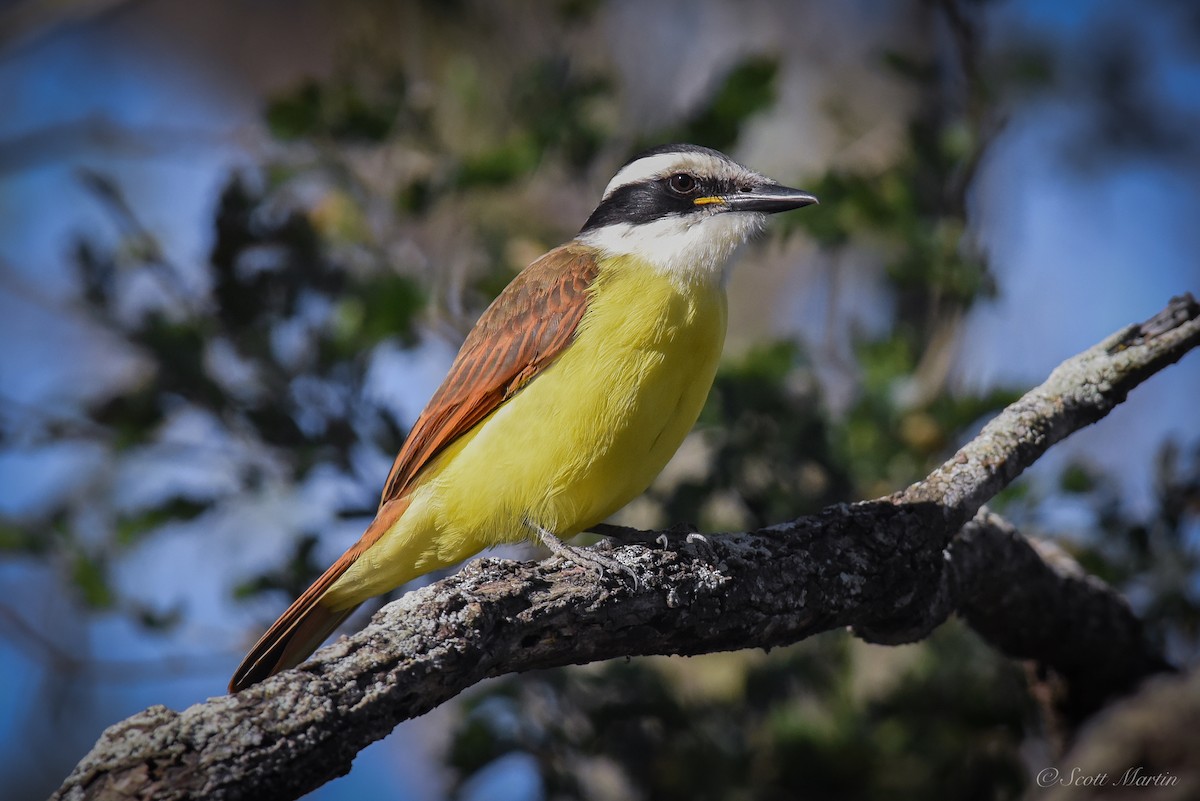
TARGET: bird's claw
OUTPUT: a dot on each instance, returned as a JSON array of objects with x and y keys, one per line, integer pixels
[{"x": 587, "y": 559}]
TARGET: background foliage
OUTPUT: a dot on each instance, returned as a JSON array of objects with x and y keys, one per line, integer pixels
[{"x": 392, "y": 203}]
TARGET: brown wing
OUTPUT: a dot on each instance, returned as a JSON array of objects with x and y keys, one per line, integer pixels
[
  {"x": 518, "y": 336},
  {"x": 523, "y": 330}
]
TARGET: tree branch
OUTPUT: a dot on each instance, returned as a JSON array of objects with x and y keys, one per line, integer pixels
[
  {"x": 1032, "y": 601},
  {"x": 881, "y": 566}
]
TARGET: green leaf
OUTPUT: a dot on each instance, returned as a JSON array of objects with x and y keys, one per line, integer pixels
[
  {"x": 1077, "y": 479},
  {"x": 296, "y": 115},
  {"x": 90, "y": 576},
  {"x": 133, "y": 527},
  {"x": 499, "y": 166}
]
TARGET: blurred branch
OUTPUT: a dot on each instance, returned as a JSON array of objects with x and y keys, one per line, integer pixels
[
  {"x": 99, "y": 134},
  {"x": 892, "y": 568},
  {"x": 980, "y": 110},
  {"x": 150, "y": 252},
  {"x": 64, "y": 662},
  {"x": 23, "y": 22}
]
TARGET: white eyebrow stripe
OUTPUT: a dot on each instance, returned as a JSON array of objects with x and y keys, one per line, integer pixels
[
  {"x": 651, "y": 167},
  {"x": 658, "y": 166}
]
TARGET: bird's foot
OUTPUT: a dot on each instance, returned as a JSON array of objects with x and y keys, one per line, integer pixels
[
  {"x": 685, "y": 530},
  {"x": 600, "y": 565}
]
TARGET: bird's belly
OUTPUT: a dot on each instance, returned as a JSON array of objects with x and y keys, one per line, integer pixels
[{"x": 591, "y": 432}]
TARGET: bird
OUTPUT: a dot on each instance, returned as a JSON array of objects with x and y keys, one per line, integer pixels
[{"x": 568, "y": 396}]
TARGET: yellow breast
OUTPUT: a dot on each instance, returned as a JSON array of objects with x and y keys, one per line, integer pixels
[{"x": 576, "y": 444}]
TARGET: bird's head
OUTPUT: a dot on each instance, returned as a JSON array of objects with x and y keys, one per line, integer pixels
[{"x": 683, "y": 209}]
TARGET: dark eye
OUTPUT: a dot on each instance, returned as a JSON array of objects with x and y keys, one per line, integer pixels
[{"x": 681, "y": 183}]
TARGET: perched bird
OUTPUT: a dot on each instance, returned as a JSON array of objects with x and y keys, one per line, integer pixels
[{"x": 569, "y": 395}]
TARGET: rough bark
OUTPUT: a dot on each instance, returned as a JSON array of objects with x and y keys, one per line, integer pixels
[{"x": 891, "y": 568}]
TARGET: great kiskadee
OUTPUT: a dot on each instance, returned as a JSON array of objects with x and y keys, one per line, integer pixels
[{"x": 568, "y": 396}]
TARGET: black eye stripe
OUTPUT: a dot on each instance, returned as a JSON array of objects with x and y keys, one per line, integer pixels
[
  {"x": 646, "y": 201},
  {"x": 637, "y": 203}
]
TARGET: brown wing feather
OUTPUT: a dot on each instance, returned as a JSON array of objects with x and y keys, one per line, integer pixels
[{"x": 523, "y": 330}]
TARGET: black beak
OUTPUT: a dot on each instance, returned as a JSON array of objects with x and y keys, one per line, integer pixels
[{"x": 768, "y": 198}]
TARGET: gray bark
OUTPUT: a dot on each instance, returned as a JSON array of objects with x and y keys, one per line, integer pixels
[{"x": 892, "y": 568}]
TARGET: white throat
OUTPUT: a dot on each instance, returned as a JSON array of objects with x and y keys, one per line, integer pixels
[{"x": 689, "y": 248}]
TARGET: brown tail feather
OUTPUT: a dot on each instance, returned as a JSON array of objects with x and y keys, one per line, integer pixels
[
  {"x": 283, "y": 647},
  {"x": 305, "y": 624}
]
